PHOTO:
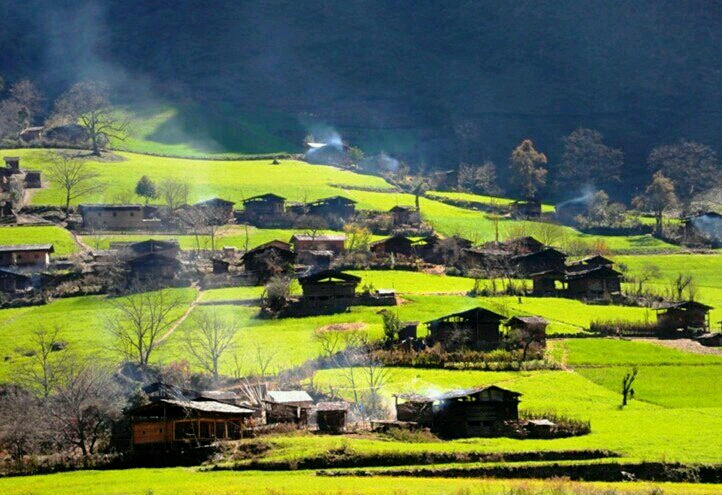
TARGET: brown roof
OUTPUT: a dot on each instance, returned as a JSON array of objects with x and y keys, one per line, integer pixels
[
  {"x": 27, "y": 247},
  {"x": 332, "y": 406},
  {"x": 453, "y": 394},
  {"x": 319, "y": 237}
]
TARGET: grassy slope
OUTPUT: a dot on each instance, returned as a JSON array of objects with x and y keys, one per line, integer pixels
[{"x": 60, "y": 238}]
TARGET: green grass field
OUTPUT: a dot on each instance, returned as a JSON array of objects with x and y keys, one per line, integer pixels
[{"x": 60, "y": 238}]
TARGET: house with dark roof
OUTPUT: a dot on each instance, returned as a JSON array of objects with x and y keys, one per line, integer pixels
[
  {"x": 404, "y": 215},
  {"x": 169, "y": 247},
  {"x": 589, "y": 262},
  {"x": 12, "y": 282},
  {"x": 319, "y": 242},
  {"x": 397, "y": 245},
  {"x": 685, "y": 315},
  {"x": 473, "y": 412},
  {"x": 594, "y": 283},
  {"x": 268, "y": 259},
  {"x": 538, "y": 261},
  {"x": 154, "y": 267},
  {"x": 335, "y": 206},
  {"x": 476, "y": 328},
  {"x": 329, "y": 287},
  {"x": 265, "y": 205},
  {"x": 331, "y": 416},
  {"x": 26, "y": 255},
  {"x": 220, "y": 211},
  {"x": 288, "y": 406}
]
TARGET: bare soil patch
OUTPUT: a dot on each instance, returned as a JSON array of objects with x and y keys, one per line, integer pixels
[
  {"x": 687, "y": 345},
  {"x": 342, "y": 327}
]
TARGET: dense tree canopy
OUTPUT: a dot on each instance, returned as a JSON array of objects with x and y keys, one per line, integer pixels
[
  {"x": 588, "y": 161},
  {"x": 527, "y": 169}
]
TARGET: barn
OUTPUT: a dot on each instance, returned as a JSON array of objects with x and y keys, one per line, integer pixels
[{"x": 477, "y": 328}]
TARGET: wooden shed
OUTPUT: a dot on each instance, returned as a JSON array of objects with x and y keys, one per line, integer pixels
[
  {"x": 288, "y": 406},
  {"x": 319, "y": 242},
  {"x": 539, "y": 261},
  {"x": 33, "y": 179},
  {"x": 685, "y": 315},
  {"x": 265, "y": 205},
  {"x": 331, "y": 416},
  {"x": 397, "y": 245},
  {"x": 532, "y": 328},
  {"x": 544, "y": 284},
  {"x": 172, "y": 423},
  {"x": 26, "y": 255},
  {"x": 335, "y": 206},
  {"x": 329, "y": 286},
  {"x": 460, "y": 413},
  {"x": 404, "y": 215},
  {"x": 112, "y": 217},
  {"x": 13, "y": 282},
  {"x": 594, "y": 283},
  {"x": 169, "y": 248},
  {"x": 269, "y": 259},
  {"x": 222, "y": 209},
  {"x": 526, "y": 209},
  {"x": 154, "y": 267},
  {"x": 477, "y": 328}
]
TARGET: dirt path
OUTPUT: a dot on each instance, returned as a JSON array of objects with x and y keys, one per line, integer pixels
[
  {"x": 79, "y": 242},
  {"x": 183, "y": 318},
  {"x": 687, "y": 345}
]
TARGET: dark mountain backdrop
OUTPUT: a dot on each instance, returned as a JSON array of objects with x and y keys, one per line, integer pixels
[{"x": 436, "y": 82}]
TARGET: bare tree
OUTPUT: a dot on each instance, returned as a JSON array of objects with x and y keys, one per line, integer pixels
[
  {"x": 139, "y": 321},
  {"x": 88, "y": 103},
  {"x": 264, "y": 359},
  {"x": 627, "y": 381},
  {"x": 205, "y": 220},
  {"x": 46, "y": 367},
  {"x": 22, "y": 425},
  {"x": 210, "y": 340},
  {"x": 73, "y": 176},
  {"x": 83, "y": 407},
  {"x": 174, "y": 192}
]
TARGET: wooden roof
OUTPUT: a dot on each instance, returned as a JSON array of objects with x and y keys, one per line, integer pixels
[
  {"x": 270, "y": 197},
  {"x": 109, "y": 207},
  {"x": 15, "y": 248},
  {"x": 471, "y": 313},
  {"x": 206, "y": 406},
  {"x": 603, "y": 271},
  {"x": 332, "y": 199},
  {"x": 274, "y": 244},
  {"x": 215, "y": 202},
  {"x": 288, "y": 396},
  {"x": 153, "y": 245},
  {"x": 527, "y": 320},
  {"x": 319, "y": 237},
  {"x": 329, "y": 275},
  {"x": 453, "y": 394}
]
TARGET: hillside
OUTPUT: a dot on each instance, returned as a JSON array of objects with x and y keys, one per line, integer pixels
[{"x": 436, "y": 84}]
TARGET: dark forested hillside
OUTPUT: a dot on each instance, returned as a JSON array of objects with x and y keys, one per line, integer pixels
[{"x": 436, "y": 82}]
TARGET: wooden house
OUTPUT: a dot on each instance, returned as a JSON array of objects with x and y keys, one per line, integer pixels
[
  {"x": 288, "y": 406},
  {"x": 269, "y": 259},
  {"x": 544, "y": 284},
  {"x": 112, "y": 217},
  {"x": 589, "y": 262},
  {"x": 26, "y": 255},
  {"x": 702, "y": 228},
  {"x": 220, "y": 210},
  {"x": 320, "y": 242},
  {"x": 329, "y": 286},
  {"x": 172, "y": 423},
  {"x": 539, "y": 261},
  {"x": 533, "y": 328},
  {"x": 154, "y": 267},
  {"x": 334, "y": 207},
  {"x": 13, "y": 282},
  {"x": 404, "y": 215},
  {"x": 526, "y": 209},
  {"x": 12, "y": 163},
  {"x": 477, "y": 328},
  {"x": 687, "y": 315},
  {"x": 461, "y": 413},
  {"x": 265, "y": 205},
  {"x": 33, "y": 179},
  {"x": 331, "y": 416},
  {"x": 522, "y": 245},
  {"x": 169, "y": 248},
  {"x": 396, "y": 245},
  {"x": 408, "y": 330},
  {"x": 494, "y": 261},
  {"x": 594, "y": 283}
]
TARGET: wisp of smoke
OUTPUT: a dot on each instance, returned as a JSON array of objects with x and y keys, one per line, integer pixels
[{"x": 587, "y": 193}]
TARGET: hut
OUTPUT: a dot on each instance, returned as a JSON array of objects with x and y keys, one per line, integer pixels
[
  {"x": 687, "y": 315},
  {"x": 26, "y": 255},
  {"x": 526, "y": 209},
  {"x": 589, "y": 262},
  {"x": 593, "y": 283},
  {"x": 472, "y": 412},
  {"x": 169, "y": 248},
  {"x": 319, "y": 242},
  {"x": 112, "y": 217},
  {"x": 331, "y": 416},
  {"x": 530, "y": 328},
  {"x": 329, "y": 286},
  {"x": 408, "y": 330},
  {"x": 220, "y": 211},
  {"x": 173, "y": 423},
  {"x": 539, "y": 261},
  {"x": 220, "y": 266},
  {"x": 31, "y": 133},
  {"x": 396, "y": 245},
  {"x": 154, "y": 267},
  {"x": 404, "y": 215},
  {"x": 269, "y": 259},
  {"x": 335, "y": 207},
  {"x": 288, "y": 406},
  {"x": 265, "y": 205},
  {"x": 544, "y": 284},
  {"x": 477, "y": 328}
]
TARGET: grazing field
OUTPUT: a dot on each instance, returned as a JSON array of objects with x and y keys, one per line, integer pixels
[
  {"x": 483, "y": 199},
  {"x": 60, "y": 238},
  {"x": 181, "y": 481},
  {"x": 704, "y": 268}
]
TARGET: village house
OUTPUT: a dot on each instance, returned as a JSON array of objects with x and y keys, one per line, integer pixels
[
  {"x": 26, "y": 255},
  {"x": 12, "y": 282},
  {"x": 169, "y": 248},
  {"x": 169, "y": 424},
  {"x": 473, "y": 412},
  {"x": 333, "y": 207},
  {"x": 539, "y": 261},
  {"x": 113, "y": 217},
  {"x": 396, "y": 245},
  {"x": 548, "y": 283},
  {"x": 702, "y": 228},
  {"x": 595, "y": 283},
  {"x": 686, "y": 316},
  {"x": 588, "y": 263},
  {"x": 154, "y": 267},
  {"x": 476, "y": 328},
  {"x": 288, "y": 406},
  {"x": 530, "y": 328},
  {"x": 404, "y": 215},
  {"x": 268, "y": 259},
  {"x": 335, "y": 243},
  {"x": 265, "y": 205},
  {"x": 329, "y": 287},
  {"x": 526, "y": 210},
  {"x": 220, "y": 210},
  {"x": 408, "y": 330},
  {"x": 331, "y": 416}
]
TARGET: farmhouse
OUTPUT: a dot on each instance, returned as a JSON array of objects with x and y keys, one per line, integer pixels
[
  {"x": 331, "y": 416},
  {"x": 172, "y": 423},
  {"x": 477, "y": 328},
  {"x": 265, "y": 205},
  {"x": 593, "y": 283},
  {"x": 268, "y": 259},
  {"x": 292, "y": 406},
  {"x": 335, "y": 206},
  {"x": 404, "y": 215},
  {"x": 112, "y": 217},
  {"x": 687, "y": 315},
  {"x": 539, "y": 261},
  {"x": 531, "y": 327},
  {"x": 329, "y": 287},
  {"x": 169, "y": 248},
  {"x": 461, "y": 413},
  {"x": 526, "y": 209},
  {"x": 154, "y": 267},
  {"x": 544, "y": 284},
  {"x": 397, "y": 245},
  {"x": 589, "y": 262},
  {"x": 321, "y": 242},
  {"x": 26, "y": 255},
  {"x": 12, "y": 282}
]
